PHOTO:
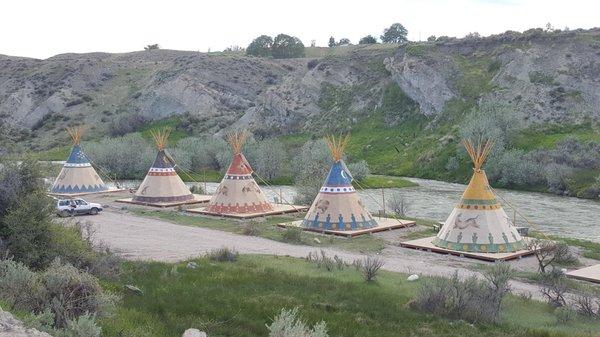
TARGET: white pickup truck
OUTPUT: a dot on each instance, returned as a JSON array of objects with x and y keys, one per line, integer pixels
[{"x": 71, "y": 207}]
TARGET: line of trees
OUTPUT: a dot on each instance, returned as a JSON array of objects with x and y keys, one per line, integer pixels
[
  {"x": 287, "y": 46},
  {"x": 396, "y": 33}
]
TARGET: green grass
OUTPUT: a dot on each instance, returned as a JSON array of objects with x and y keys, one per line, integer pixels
[
  {"x": 239, "y": 298},
  {"x": 55, "y": 154},
  {"x": 267, "y": 229},
  {"x": 548, "y": 136},
  {"x": 171, "y": 122}
]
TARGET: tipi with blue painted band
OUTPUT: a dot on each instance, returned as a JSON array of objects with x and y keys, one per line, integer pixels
[
  {"x": 338, "y": 206},
  {"x": 478, "y": 223},
  {"x": 77, "y": 176}
]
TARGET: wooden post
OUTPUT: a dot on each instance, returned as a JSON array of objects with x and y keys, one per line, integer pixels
[{"x": 383, "y": 198}]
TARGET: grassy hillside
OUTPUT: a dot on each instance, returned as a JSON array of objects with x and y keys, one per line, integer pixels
[{"x": 239, "y": 298}]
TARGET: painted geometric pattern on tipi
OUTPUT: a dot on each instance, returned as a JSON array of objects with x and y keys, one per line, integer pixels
[
  {"x": 162, "y": 183},
  {"x": 338, "y": 206},
  {"x": 238, "y": 192},
  {"x": 478, "y": 223},
  {"x": 77, "y": 175}
]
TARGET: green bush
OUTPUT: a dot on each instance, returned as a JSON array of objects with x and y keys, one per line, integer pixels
[
  {"x": 359, "y": 170},
  {"x": 20, "y": 287},
  {"x": 60, "y": 295},
  {"x": 223, "y": 255},
  {"x": 26, "y": 230},
  {"x": 292, "y": 234},
  {"x": 564, "y": 315},
  {"x": 472, "y": 299},
  {"x": 287, "y": 324},
  {"x": 71, "y": 293}
]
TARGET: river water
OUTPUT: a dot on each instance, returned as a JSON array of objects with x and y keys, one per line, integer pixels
[{"x": 431, "y": 199}]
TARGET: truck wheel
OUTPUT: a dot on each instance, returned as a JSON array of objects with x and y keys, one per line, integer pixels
[{"x": 94, "y": 211}]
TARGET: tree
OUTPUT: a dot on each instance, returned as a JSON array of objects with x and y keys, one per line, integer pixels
[
  {"x": 152, "y": 47},
  {"x": 431, "y": 38},
  {"x": 261, "y": 46},
  {"x": 286, "y": 46},
  {"x": 395, "y": 34},
  {"x": 331, "y": 42},
  {"x": 344, "y": 42},
  {"x": 369, "y": 39}
]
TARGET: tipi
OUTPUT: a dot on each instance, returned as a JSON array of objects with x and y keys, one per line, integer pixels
[
  {"x": 338, "y": 206},
  {"x": 478, "y": 223},
  {"x": 77, "y": 175},
  {"x": 238, "y": 192},
  {"x": 162, "y": 184}
]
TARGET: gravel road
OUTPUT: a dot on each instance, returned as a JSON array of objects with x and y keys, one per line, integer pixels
[{"x": 138, "y": 238}]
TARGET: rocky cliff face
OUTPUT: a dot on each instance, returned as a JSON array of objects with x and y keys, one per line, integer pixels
[{"x": 547, "y": 77}]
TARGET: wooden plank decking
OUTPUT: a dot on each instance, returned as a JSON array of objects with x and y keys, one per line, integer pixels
[
  {"x": 425, "y": 244},
  {"x": 385, "y": 224},
  {"x": 278, "y": 209},
  {"x": 198, "y": 199}
]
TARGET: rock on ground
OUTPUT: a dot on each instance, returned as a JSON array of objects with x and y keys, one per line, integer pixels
[
  {"x": 194, "y": 333},
  {"x": 11, "y": 327}
]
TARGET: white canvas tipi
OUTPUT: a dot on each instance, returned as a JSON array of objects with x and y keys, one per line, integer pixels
[
  {"x": 162, "y": 184},
  {"x": 77, "y": 175},
  {"x": 478, "y": 223},
  {"x": 238, "y": 192},
  {"x": 338, "y": 206}
]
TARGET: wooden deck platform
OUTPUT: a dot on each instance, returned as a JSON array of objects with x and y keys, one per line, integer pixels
[
  {"x": 278, "y": 210},
  {"x": 198, "y": 199},
  {"x": 425, "y": 244},
  {"x": 590, "y": 274},
  {"x": 385, "y": 224},
  {"x": 75, "y": 195}
]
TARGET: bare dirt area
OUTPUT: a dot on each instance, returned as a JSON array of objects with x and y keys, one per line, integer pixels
[{"x": 139, "y": 238}]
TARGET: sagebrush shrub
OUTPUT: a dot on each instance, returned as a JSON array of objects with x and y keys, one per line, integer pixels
[
  {"x": 369, "y": 267},
  {"x": 223, "y": 255},
  {"x": 20, "y": 287},
  {"x": 287, "y": 324},
  {"x": 72, "y": 293},
  {"x": 472, "y": 300},
  {"x": 292, "y": 234}
]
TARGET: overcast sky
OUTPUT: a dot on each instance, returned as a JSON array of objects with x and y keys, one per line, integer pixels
[{"x": 45, "y": 28}]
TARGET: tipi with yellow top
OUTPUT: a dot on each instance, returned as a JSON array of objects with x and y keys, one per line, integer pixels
[{"x": 478, "y": 223}]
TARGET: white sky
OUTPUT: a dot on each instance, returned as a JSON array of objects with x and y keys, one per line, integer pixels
[{"x": 44, "y": 28}]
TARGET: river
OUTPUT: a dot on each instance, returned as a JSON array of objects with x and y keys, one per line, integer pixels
[{"x": 431, "y": 199}]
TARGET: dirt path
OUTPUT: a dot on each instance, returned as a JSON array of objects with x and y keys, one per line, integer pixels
[{"x": 139, "y": 238}]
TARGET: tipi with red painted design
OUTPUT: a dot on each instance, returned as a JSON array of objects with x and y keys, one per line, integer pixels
[
  {"x": 162, "y": 184},
  {"x": 238, "y": 192}
]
